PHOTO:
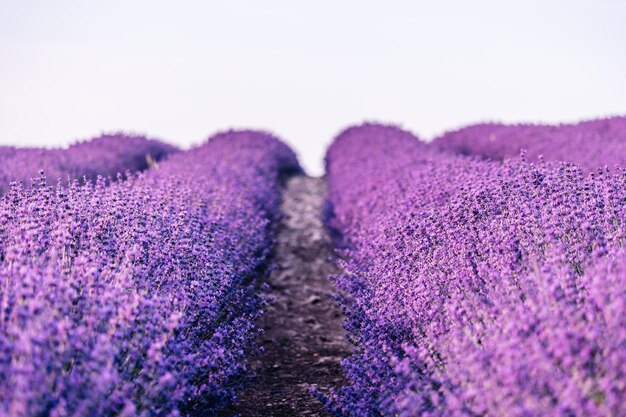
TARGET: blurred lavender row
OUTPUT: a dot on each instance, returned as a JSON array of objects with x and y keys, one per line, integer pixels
[
  {"x": 106, "y": 155},
  {"x": 478, "y": 288},
  {"x": 590, "y": 144},
  {"x": 137, "y": 298}
]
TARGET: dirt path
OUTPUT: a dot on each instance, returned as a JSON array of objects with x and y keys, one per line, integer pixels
[{"x": 304, "y": 341}]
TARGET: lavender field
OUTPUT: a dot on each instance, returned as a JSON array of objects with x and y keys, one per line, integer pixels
[
  {"x": 482, "y": 273},
  {"x": 477, "y": 286}
]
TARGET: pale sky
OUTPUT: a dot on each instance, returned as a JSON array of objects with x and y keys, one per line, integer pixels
[{"x": 182, "y": 70}]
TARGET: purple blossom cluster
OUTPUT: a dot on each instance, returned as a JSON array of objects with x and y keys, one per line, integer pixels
[
  {"x": 590, "y": 144},
  {"x": 476, "y": 287},
  {"x": 106, "y": 155},
  {"x": 137, "y": 298}
]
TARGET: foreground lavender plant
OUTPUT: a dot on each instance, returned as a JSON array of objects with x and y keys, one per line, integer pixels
[
  {"x": 106, "y": 155},
  {"x": 591, "y": 144},
  {"x": 477, "y": 288},
  {"x": 136, "y": 299}
]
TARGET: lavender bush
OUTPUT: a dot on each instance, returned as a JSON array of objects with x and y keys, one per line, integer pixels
[
  {"x": 477, "y": 288},
  {"x": 591, "y": 144},
  {"x": 136, "y": 299},
  {"x": 106, "y": 155}
]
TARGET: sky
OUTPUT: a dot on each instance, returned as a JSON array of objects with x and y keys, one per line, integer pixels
[{"x": 183, "y": 70}]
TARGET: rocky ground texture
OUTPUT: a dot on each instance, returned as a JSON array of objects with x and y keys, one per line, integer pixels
[{"x": 304, "y": 341}]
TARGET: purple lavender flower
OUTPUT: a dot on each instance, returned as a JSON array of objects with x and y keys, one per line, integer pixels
[
  {"x": 477, "y": 288},
  {"x": 107, "y": 155},
  {"x": 590, "y": 144},
  {"x": 137, "y": 298}
]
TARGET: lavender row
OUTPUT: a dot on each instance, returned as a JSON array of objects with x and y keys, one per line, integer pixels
[
  {"x": 476, "y": 288},
  {"x": 137, "y": 298},
  {"x": 106, "y": 155},
  {"x": 591, "y": 144}
]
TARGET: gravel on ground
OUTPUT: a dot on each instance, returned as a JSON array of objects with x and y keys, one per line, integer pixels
[{"x": 304, "y": 341}]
